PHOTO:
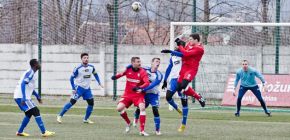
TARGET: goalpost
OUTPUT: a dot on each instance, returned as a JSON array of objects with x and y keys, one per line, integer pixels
[{"x": 265, "y": 45}]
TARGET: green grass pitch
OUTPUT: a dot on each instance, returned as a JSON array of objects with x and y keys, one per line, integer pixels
[{"x": 201, "y": 125}]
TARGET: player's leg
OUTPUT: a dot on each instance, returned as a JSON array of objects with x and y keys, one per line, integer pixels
[
  {"x": 184, "y": 103},
  {"x": 68, "y": 105},
  {"x": 122, "y": 105},
  {"x": 137, "y": 111},
  {"x": 241, "y": 94},
  {"x": 140, "y": 102},
  {"x": 258, "y": 94},
  {"x": 36, "y": 113},
  {"x": 88, "y": 96},
  {"x": 172, "y": 87},
  {"x": 25, "y": 120},
  {"x": 154, "y": 101},
  {"x": 136, "y": 117},
  {"x": 184, "y": 87}
]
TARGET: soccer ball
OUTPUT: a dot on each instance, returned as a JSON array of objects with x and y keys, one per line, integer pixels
[{"x": 136, "y": 6}]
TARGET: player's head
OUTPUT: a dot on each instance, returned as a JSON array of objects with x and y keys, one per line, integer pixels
[
  {"x": 245, "y": 65},
  {"x": 34, "y": 64},
  {"x": 155, "y": 63},
  {"x": 136, "y": 62},
  {"x": 85, "y": 58},
  {"x": 194, "y": 39}
]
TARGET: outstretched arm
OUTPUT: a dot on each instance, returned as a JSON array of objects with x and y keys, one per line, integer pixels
[
  {"x": 260, "y": 76},
  {"x": 168, "y": 70},
  {"x": 189, "y": 53},
  {"x": 156, "y": 82}
]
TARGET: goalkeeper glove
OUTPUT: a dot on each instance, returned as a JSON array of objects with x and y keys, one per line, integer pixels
[
  {"x": 136, "y": 88},
  {"x": 179, "y": 42},
  {"x": 114, "y": 77},
  {"x": 164, "y": 85},
  {"x": 166, "y": 51}
]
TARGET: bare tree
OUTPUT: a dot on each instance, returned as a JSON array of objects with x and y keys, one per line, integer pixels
[
  {"x": 265, "y": 7},
  {"x": 64, "y": 17}
]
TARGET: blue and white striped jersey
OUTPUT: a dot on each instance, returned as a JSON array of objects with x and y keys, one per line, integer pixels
[
  {"x": 82, "y": 76},
  {"x": 28, "y": 79},
  {"x": 155, "y": 79},
  {"x": 173, "y": 69}
]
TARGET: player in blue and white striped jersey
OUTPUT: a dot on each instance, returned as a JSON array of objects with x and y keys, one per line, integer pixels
[
  {"x": 152, "y": 93},
  {"x": 22, "y": 95},
  {"x": 80, "y": 82}
]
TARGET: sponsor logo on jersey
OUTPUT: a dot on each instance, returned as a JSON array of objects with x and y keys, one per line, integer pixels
[
  {"x": 87, "y": 76},
  {"x": 87, "y": 70},
  {"x": 133, "y": 80},
  {"x": 177, "y": 62}
]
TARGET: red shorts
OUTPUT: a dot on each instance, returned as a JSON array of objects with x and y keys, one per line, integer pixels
[
  {"x": 128, "y": 101},
  {"x": 187, "y": 74}
]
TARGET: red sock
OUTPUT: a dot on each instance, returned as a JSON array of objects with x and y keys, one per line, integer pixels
[
  {"x": 125, "y": 117},
  {"x": 142, "y": 120},
  {"x": 191, "y": 92}
]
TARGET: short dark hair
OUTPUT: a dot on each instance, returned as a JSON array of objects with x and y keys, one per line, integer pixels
[
  {"x": 195, "y": 36},
  {"x": 245, "y": 61},
  {"x": 33, "y": 62},
  {"x": 155, "y": 58},
  {"x": 84, "y": 54},
  {"x": 134, "y": 58}
]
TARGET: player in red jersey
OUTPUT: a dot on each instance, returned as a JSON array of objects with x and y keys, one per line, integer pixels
[
  {"x": 137, "y": 79},
  {"x": 191, "y": 54}
]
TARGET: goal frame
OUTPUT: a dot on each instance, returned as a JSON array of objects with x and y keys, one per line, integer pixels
[{"x": 173, "y": 24}]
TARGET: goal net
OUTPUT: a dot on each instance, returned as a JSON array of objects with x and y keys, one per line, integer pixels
[{"x": 265, "y": 45}]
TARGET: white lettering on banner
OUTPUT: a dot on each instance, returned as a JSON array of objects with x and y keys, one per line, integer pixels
[
  {"x": 270, "y": 99},
  {"x": 277, "y": 87},
  {"x": 133, "y": 80},
  {"x": 249, "y": 98}
]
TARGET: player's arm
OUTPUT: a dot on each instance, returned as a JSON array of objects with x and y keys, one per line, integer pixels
[
  {"x": 28, "y": 76},
  {"x": 119, "y": 75},
  {"x": 145, "y": 79},
  {"x": 73, "y": 76},
  {"x": 260, "y": 76},
  {"x": 154, "y": 83},
  {"x": 236, "y": 81},
  {"x": 167, "y": 72},
  {"x": 37, "y": 96},
  {"x": 97, "y": 77},
  {"x": 189, "y": 53},
  {"x": 175, "y": 53}
]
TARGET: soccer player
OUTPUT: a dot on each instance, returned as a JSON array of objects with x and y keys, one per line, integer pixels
[
  {"x": 22, "y": 96},
  {"x": 247, "y": 76},
  {"x": 137, "y": 80},
  {"x": 152, "y": 93},
  {"x": 192, "y": 53},
  {"x": 80, "y": 83}
]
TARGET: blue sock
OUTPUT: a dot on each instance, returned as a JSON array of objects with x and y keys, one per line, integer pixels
[
  {"x": 40, "y": 124},
  {"x": 65, "y": 109},
  {"x": 173, "y": 104},
  {"x": 184, "y": 115},
  {"x": 23, "y": 124},
  {"x": 157, "y": 123},
  {"x": 88, "y": 112}
]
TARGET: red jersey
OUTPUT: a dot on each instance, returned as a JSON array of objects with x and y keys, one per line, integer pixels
[
  {"x": 191, "y": 56},
  {"x": 134, "y": 79}
]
